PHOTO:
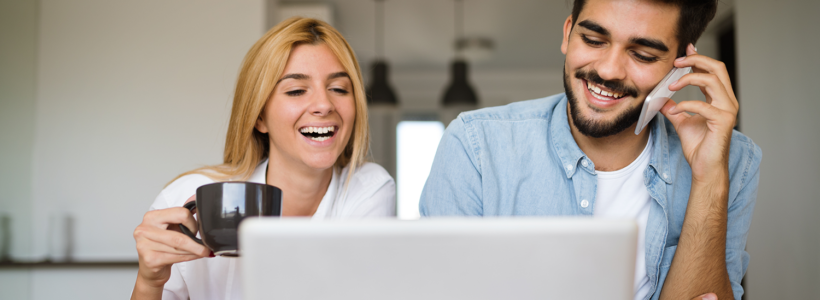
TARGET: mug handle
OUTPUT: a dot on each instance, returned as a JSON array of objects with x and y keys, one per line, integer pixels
[{"x": 190, "y": 206}]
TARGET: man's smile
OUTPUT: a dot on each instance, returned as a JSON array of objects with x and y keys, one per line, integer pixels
[{"x": 603, "y": 93}]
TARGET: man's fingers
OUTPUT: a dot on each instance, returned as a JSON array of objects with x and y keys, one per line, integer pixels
[
  {"x": 676, "y": 118},
  {"x": 709, "y": 296},
  {"x": 711, "y": 113},
  {"x": 714, "y": 90},
  {"x": 705, "y": 64}
]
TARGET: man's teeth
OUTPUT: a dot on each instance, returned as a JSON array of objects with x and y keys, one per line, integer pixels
[
  {"x": 597, "y": 91},
  {"x": 319, "y": 130}
]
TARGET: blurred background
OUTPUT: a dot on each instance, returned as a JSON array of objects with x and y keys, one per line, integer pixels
[{"x": 103, "y": 102}]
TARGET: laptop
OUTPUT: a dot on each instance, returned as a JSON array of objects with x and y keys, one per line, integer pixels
[{"x": 439, "y": 258}]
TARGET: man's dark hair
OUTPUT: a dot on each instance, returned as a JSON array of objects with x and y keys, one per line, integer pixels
[{"x": 692, "y": 21}]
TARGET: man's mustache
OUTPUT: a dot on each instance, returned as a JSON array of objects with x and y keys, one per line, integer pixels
[{"x": 615, "y": 86}]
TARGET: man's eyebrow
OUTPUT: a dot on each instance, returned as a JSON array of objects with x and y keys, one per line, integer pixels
[
  {"x": 651, "y": 43},
  {"x": 297, "y": 76},
  {"x": 337, "y": 75},
  {"x": 591, "y": 25}
]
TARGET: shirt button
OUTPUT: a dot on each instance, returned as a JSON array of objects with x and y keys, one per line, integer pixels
[
  {"x": 665, "y": 176},
  {"x": 569, "y": 167},
  {"x": 585, "y": 163},
  {"x": 584, "y": 203}
]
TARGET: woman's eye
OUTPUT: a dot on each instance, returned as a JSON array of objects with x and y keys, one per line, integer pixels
[
  {"x": 591, "y": 42},
  {"x": 340, "y": 91},
  {"x": 645, "y": 58},
  {"x": 295, "y": 93}
]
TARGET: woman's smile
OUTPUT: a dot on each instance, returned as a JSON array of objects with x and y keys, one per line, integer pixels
[{"x": 319, "y": 134}]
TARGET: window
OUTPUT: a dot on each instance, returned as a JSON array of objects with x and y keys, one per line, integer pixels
[{"x": 416, "y": 144}]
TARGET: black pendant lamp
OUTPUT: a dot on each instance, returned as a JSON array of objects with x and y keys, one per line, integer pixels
[
  {"x": 379, "y": 90},
  {"x": 459, "y": 91}
]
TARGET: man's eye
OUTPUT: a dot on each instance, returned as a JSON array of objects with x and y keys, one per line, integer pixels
[
  {"x": 590, "y": 41},
  {"x": 295, "y": 93},
  {"x": 645, "y": 58}
]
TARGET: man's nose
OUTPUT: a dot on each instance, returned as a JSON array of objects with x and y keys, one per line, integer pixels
[
  {"x": 611, "y": 66},
  {"x": 321, "y": 104}
]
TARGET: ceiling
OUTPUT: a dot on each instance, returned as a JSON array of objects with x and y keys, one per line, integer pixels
[{"x": 420, "y": 34}]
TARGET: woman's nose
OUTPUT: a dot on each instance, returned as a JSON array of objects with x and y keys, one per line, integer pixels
[{"x": 321, "y": 104}]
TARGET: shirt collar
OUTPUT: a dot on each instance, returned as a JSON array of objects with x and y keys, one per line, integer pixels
[
  {"x": 659, "y": 161},
  {"x": 260, "y": 173},
  {"x": 571, "y": 155},
  {"x": 260, "y": 176},
  {"x": 563, "y": 142}
]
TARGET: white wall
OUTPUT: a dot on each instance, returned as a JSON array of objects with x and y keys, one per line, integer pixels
[
  {"x": 778, "y": 44},
  {"x": 129, "y": 95},
  {"x": 101, "y": 103},
  {"x": 18, "y": 44}
]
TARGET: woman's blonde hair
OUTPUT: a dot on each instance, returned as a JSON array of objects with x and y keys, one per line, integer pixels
[{"x": 246, "y": 147}]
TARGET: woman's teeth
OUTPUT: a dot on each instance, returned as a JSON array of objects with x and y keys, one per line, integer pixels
[
  {"x": 318, "y": 133},
  {"x": 597, "y": 92},
  {"x": 320, "y": 130}
]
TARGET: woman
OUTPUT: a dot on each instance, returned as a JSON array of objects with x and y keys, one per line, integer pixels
[{"x": 299, "y": 122}]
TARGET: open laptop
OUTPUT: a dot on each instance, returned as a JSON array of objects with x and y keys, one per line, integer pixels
[{"x": 459, "y": 258}]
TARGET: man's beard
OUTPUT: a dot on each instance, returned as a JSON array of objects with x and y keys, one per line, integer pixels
[{"x": 595, "y": 128}]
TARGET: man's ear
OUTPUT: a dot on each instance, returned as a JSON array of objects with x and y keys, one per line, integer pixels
[
  {"x": 567, "y": 31},
  {"x": 260, "y": 123}
]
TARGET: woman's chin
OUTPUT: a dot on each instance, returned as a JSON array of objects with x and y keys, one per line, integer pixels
[{"x": 320, "y": 162}]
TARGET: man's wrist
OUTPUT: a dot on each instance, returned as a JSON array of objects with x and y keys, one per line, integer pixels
[{"x": 715, "y": 177}]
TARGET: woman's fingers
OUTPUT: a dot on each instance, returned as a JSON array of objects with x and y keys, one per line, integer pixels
[
  {"x": 174, "y": 242},
  {"x": 164, "y": 217},
  {"x": 155, "y": 260}
]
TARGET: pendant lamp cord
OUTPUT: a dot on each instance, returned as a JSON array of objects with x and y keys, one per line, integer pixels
[
  {"x": 379, "y": 29},
  {"x": 459, "y": 20}
]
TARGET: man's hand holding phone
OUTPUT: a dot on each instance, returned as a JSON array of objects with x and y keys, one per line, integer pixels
[
  {"x": 699, "y": 265},
  {"x": 705, "y": 136}
]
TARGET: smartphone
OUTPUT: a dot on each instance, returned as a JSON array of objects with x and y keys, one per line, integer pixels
[{"x": 658, "y": 97}]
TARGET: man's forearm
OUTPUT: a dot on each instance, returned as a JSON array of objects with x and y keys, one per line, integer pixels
[{"x": 699, "y": 265}]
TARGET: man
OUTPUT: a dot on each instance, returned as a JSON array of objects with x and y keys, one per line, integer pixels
[{"x": 689, "y": 180}]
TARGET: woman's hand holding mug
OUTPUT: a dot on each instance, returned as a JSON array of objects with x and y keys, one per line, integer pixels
[{"x": 160, "y": 244}]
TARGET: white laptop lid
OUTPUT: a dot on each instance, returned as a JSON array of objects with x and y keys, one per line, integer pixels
[{"x": 463, "y": 258}]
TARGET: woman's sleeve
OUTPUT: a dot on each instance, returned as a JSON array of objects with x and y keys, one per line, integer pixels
[{"x": 175, "y": 288}]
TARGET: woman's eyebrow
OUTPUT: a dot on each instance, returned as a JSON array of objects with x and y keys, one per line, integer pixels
[
  {"x": 297, "y": 76},
  {"x": 337, "y": 75}
]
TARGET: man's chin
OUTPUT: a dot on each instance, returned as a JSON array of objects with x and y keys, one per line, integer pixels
[{"x": 597, "y": 122}]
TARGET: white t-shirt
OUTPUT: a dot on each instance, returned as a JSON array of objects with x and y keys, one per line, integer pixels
[
  {"x": 622, "y": 194},
  {"x": 370, "y": 193}
]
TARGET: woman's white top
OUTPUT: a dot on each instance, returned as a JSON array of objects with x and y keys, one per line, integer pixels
[{"x": 371, "y": 192}]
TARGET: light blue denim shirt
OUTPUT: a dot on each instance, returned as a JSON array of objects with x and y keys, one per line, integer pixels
[{"x": 521, "y": 159}]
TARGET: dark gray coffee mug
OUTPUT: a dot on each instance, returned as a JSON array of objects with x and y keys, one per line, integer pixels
[{"x": 221, "y": 206}]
